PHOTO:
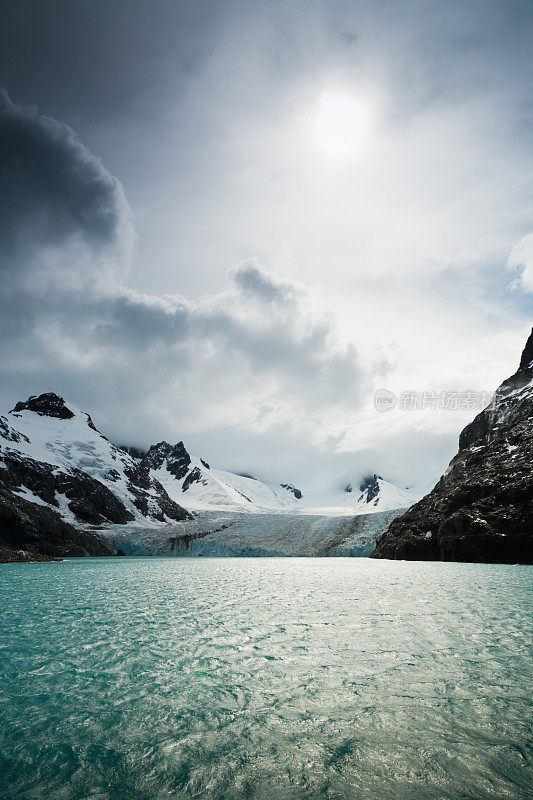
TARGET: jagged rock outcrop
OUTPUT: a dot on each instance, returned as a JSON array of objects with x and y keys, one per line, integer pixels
[
  {"x": 292, "y": 489},
  {"x": 47, "y": 404},
  {"x": 176, "y": 456},
  {"x": 481, "y": 509},
  {"x": 369, "y": 487}
]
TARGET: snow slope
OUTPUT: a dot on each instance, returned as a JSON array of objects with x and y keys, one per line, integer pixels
[{"x": 192, "y": 483}]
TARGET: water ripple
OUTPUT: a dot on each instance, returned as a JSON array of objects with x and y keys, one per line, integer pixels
[{"x": 274, "y": 679}]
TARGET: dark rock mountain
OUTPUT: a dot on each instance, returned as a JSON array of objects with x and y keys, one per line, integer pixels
[
  {"x": 177, "y": 458},
  {"x": 526, "y": 361},
  {"x": 29, "y": 532},
  {"x": 482, "y": 508}
]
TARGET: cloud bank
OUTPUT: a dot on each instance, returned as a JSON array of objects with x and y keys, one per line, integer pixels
[
  {"x": 253, "y": 356},
  {"x": 206, "y": 113},
  {"x": 55, "y": 196}
]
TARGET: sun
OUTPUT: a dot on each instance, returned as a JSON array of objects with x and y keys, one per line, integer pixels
[{"x": 340, "y": 124}]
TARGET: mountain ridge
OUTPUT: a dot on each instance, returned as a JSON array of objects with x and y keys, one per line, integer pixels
[
  {"x": 66, "y": 489},
  {"x": 190, "y": 480}
]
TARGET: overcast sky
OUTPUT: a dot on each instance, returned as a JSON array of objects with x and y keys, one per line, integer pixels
[{"x": 231, "y": 222}]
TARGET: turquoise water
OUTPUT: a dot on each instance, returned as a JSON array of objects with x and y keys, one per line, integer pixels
[{"x": 136, "y": 679}]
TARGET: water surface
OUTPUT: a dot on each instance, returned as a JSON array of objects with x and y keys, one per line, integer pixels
[{"x": 143, "y": 679}]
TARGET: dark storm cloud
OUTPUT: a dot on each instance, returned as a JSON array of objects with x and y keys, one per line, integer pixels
[
  {"x": 87, "y": 60},
  {"x": 53, "y": 191},
  {"x": 134, "y": 320},
  {"x": 204, "y": 112}
]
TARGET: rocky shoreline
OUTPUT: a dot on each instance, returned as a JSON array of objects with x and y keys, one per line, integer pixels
[{"x": 24, "y": 556}]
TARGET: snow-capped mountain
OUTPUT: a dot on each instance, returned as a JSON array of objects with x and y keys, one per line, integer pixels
[
  {"x": 52, "y": 455},
  {"x": 193, "y": 483},
  {"x": 381, "y": 495},
  {"x": 370, "y": 495},
  {"x": 196, "y": 485}
]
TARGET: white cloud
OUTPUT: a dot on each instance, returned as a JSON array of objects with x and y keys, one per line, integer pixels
[
  {"x": 520, "y": 261},
  {"x": 405, "y": 241},
  {"x": 256, "y": 356}
]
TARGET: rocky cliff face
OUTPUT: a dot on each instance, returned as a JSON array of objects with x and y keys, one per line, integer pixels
[
  {"x": 482, "y": 507},
  {"x": 35, "y": 532}
]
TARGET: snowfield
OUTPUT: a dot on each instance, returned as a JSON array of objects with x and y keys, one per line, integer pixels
[
  {"x": 220, "y": 490},
  {"x": 199, "y": 487}
]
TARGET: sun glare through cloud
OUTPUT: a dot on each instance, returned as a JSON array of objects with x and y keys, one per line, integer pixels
[{"x": 340, "y": 125}]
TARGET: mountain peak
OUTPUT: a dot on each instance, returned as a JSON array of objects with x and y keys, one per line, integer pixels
[
  {"x": 47, "y": 404},
  {"x": 165, "y": 448},
  {"x": 175, "y": 455},
  {"x": 527, "y": 355},
  {"x": 369, "y": 486}
]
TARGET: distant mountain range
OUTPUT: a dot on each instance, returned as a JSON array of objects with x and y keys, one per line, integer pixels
[
  {"x": 64, "y": 486},
  {"x": 65, "y": 489},
  {"x": 192, "y": 482}
]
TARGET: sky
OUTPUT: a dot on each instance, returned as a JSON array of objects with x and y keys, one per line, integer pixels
[{"x": 234, "y": 222}]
